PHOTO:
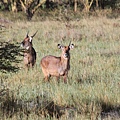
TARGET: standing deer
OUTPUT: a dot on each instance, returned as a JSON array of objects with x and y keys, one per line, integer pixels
[
  {"x": 57, "y": 66},
  {"x": 29, "y": 53}
]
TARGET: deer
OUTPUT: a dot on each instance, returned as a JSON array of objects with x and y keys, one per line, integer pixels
[
  {"x": 29, "y": 52},
  {"x": 57, "y": 66}
]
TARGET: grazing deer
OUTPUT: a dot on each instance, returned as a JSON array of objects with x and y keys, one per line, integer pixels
[
  {"x": 57, "y": 66},
  {"x": 29, "y": 53}
]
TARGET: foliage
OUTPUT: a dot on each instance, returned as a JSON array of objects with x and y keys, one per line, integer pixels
[{"x": 8, "y": 56}]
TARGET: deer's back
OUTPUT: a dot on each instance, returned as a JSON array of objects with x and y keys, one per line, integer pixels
[
  {"x": 34, "y": 53},
  {"x": 50, "y": 61}
]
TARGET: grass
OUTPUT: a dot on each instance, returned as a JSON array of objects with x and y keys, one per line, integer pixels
[{"x": 93, "y": 88}]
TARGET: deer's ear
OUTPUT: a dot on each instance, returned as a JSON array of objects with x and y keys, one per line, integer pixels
[
  {"x": 27, "y": 34},
  {"x": 30, "y": 39},
  {"x": 71, "y": 46},
  {"x": 59, "y": 46}
]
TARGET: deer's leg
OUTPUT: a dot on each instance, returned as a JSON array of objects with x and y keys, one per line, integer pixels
[
  {"x": 31, "y": 65},
  {"x": 46, "y": 74},
  {"x": 58, "y": 78},
  {"x": 26, "y": 64},
  {"x": 47, "y": 78},
  {"x": 26, "y": 67},
  {"x": 65, "y": 77}
]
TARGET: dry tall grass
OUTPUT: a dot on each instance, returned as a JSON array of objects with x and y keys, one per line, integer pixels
[{"x": 93, "y": 90}]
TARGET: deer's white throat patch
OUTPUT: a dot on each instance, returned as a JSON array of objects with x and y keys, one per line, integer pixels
[{"x": 27, "y": 47}]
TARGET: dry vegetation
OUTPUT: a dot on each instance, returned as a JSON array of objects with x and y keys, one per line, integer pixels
[{"x": 93, "y": 90}]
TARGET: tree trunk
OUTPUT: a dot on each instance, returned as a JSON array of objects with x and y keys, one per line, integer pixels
[
  {"x": 97, "y": 4},
  {"x": 47, "y": 3},
  {"x": 75, "y": 5},
  {"x": 14, "y": 6},
  {"x": 29, "y": 14},
  {"x": 87, "y": 5},
  {"x": 102, "y": 4}
]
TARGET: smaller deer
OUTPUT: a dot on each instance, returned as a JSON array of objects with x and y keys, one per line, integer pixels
[
  {"x": 57, "y": 66},
  {"x": 29, "y": 53}
]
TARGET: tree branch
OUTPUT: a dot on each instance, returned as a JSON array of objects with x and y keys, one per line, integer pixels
[{"x": 36, "y": 7}]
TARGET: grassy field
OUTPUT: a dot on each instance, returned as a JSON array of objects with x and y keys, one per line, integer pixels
[{"x": 93, "y": 89}]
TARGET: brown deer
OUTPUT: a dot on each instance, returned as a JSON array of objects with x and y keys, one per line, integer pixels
[
  {"x": 57, "y": 66},
  {"x": 29, "y": 52}
]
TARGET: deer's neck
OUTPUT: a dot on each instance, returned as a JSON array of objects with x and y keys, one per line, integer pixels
[
  {"x": 65, "y": 62},
  {"x": 29, "y": 50}
]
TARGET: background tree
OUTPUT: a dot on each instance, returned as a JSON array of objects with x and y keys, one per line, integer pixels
[
  {"x": 87, "y": 4},
  {"x": 75, "y": 5},
  {"x": 30, "y": 6},
  {"x": 10, "y": 5}
]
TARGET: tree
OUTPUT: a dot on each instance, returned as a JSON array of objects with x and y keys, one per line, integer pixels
[
  {"x": 97, "y": 4},
  {"x": 87, "y": 4},
  {"x": 30, "y": 6},
  {"x": 75, "y": 5},
  {"x": 102, "y": 3},
  {"x": 10, "y": 5}
]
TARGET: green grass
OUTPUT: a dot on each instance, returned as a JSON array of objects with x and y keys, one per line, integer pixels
[{"x": 94, "y": 81}]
